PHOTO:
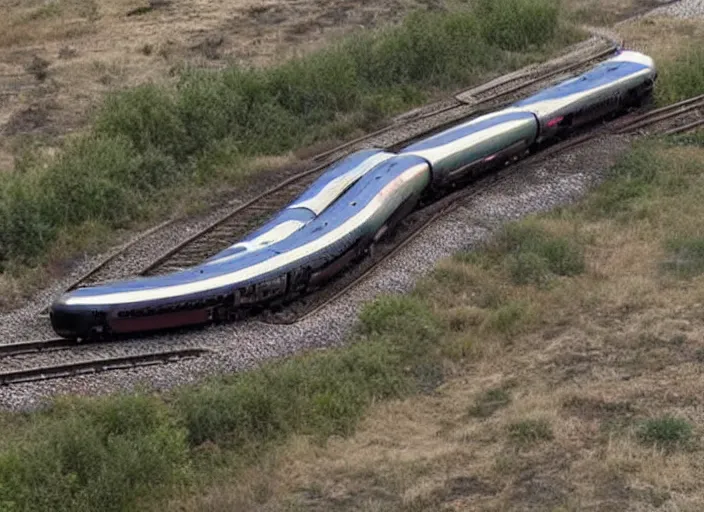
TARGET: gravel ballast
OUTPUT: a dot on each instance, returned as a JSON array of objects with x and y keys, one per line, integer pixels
[
  {"x": 684, "y": 9},
  {"x": 525, "y": 189}
]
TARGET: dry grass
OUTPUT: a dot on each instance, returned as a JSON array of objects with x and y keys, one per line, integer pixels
[
  {"x": 604, "y": 13},
  {"x": 546, "y": 407},
  {"x": 91, "y": 47},
  {"x": 32, "y": 22},
  {"x": 602, "y": 355},
  {"x": 662, "y": 38}
]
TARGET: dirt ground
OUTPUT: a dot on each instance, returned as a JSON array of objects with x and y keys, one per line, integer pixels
[{"x": 59, "y": 57}]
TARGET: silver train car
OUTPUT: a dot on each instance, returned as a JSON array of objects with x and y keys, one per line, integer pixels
[{"x": 347, "y": 210}]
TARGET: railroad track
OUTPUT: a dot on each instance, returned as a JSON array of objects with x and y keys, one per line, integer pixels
[
  {"x": 680, "y": 117},
  {"x": 408, "y": 128},
  {"x": 33, "y": 347},
  {"x": 84, "y": 367},
  {"x": 238, "y": 223},
  {"x": 676, "y": 118}
]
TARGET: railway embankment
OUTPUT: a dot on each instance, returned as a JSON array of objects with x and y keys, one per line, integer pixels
[
  {"x": 558, "y": 367},
  {"x": 155, "y": 148}
]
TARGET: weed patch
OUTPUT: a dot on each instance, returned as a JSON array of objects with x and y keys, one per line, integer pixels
[
  {"x": 682, "y": 77},
  {"x": 514, "y": 24},
  {"x": 686, "y": 257},
  {"x": 160, "y": 138},
  {"x": 94, "y": 455},
  {"x": 530, "y": 431},
  {"x": 532, "y": 255},
  {"x": 665, "y": 432},
  {"x": 489, "y": 402},
  {"x": 632, "y": 181},
  {"x": 510, "y": 318}
]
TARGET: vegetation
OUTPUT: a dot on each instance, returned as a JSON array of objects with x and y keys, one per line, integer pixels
[
  {"x": 530, "y": 431},
  {"x": 110, "y": 453},
  {"x": 403, "y": 345},
  {"x": 666, "y": 431},
  {"x": 472, "y": 312},
  {"x": 682, "y": 77},
  {"x": 568, "y": 336},
  {"x": 148, "y": 141}
]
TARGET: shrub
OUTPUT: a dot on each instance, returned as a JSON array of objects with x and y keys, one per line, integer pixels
[
  {"x": 147, "y": 116},
  {"x": 98, "y": 178},
  {"x": 517, "y": 24},
  {"x": 667, "y": 432},
  {"x": 322, "y": 394},
  {"x": 98, "y": 454}
]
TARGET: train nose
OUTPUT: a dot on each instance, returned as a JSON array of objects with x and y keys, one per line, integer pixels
[{"x": 69, "y": 323}]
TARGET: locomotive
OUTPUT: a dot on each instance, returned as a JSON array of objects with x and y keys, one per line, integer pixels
[{"x": 349, "y": 208}]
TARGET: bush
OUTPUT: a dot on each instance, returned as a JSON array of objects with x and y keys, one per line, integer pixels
[
  {"x": 681, "y": 78},
  {"x": 99, "y": 178},
  {"x": 322, "y": 394},
  {"x": 518, "y": 24},
  {"x": 149, "y": 140},
  {"x": 667, "y": 432},
  {"x": 98, "y": 454}
]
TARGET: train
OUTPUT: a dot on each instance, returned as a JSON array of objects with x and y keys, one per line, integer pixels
[{"x": 348, "y": 209}]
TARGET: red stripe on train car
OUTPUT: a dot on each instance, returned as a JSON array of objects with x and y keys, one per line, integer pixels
[{"x": 163, "y": 321}]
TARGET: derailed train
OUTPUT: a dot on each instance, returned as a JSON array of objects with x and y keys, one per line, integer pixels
[{"x": 350, "y": 207}]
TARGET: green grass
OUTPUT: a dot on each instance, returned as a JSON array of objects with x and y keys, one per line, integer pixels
[
  {"x": 665, "y": 432},
  {"x": 686, "y": 256},
  {"x": 681, "y": 78},
  {"x": 527, "y": 432},
  {"x": 515, "y": 24},
  {"x": 93, "y": 455},
  {"x": 127, "y": 452},
  {"x": 532, "y": 255},
  {"x": 150, "y": 144}
]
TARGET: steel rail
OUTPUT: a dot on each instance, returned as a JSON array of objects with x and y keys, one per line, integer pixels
[
  {"x": 481, "y": 101},
  {"x": 98, "y": 365},
  {"x": 453, "y": 200},
  {"x": 663, "y": 113},
  {"x": 325, "y": 156},
  {"x": 32, "y": 347},
  {"x": 686, "y": 128},
  {"x": 153, "y": 267}
]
